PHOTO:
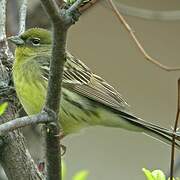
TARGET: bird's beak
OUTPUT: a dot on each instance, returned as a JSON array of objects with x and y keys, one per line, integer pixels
[{"x": 16, "y": 40}]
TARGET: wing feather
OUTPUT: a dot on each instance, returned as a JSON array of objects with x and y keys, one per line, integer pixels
[{"x": 78, "y": 77}]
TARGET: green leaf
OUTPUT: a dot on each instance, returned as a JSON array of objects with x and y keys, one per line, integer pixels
[
  {"x": 158, "y": 175},
  {"x": 173, "y": 178},
  {"x": 3, "y": 107},
  {"x": 148, "y": 174},
  {"x": 70, "y": 2},
  {"x": 154, "y": 175},
  {"x": 82, "y": 175}
]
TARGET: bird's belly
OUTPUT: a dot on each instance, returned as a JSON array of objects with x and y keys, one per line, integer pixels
[
  {"x": 76, "y": 111},
  {"x": 32, "y": 97}
]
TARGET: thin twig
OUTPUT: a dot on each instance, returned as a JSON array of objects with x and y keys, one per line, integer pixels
[
  {"x": 148, "y": 14},
  {"x": 24, "y": 121},
  {"x": 87, "y": 5},
  {"x": 137, "y": 42},
  {"x": 4, "y": 49},
  {"x": 174, "y": 136},
  {"x": 3, "y": 42},
  {"x": 2, "y": 20},
  {"x": 22, "y": 16},
  {"x": 74, "y": 6}
]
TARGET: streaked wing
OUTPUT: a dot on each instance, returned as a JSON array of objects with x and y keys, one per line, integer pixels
[
  {"x": 97, "y": 89},
  {"x": 79, "y": 78},
  {"x": 44, "y": 64}
]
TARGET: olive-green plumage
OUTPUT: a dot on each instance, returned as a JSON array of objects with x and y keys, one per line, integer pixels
[{"x": 87, "y": 99}]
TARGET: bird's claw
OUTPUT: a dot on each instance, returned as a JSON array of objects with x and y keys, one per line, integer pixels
[
  {"x": 41, "y": 166},
  {"x": 61, "y": 135},
  {"x": 63, "y": 148}
]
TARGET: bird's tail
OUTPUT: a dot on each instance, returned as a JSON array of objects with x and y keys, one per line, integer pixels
[
  {"x": 160, "y": 133},
  {"x": 130, "y": 122}
]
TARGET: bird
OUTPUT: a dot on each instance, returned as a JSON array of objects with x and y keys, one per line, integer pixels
[{"x": 86, "y": 99}]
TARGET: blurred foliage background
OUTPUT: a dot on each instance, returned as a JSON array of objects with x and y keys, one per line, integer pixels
[{"x": 100, "y": 41}]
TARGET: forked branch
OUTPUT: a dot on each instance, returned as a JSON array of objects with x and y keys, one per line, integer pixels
[{"x": 137, "y": 42}]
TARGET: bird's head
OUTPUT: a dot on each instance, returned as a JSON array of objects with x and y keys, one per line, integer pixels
[{"x": 32, "y": 42}]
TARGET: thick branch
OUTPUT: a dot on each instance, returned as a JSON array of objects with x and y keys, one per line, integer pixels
[
  {"x": 53, "y": 150},
  {"x": 51, "y": 9},
  {"x": 14, "y": 155},
  {"x": 25, "y": 121},
  {"x": 61, "y": 21}
]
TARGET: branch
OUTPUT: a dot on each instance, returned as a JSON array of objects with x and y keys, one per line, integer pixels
[
  {"x": 2, "y": 20},
  {"x": 5, "y": 54},
  {"x": 53, "y": 150},
  {"x": 12, "y": 18},
  {"x": 74, "y": 6},
  {"x": 146, "y": 13},
  {"x": 137, "y": 42},
  {"x": 15, "y": 157},
  {"x": 87, "y": 5},
  {"x": 52, "y": 9},
  {"x": 174, "y": 137},
  {"x": 22, "y": 16},
  {"x": 61, "y": 20},
  {"x": 24, "y": 121}
]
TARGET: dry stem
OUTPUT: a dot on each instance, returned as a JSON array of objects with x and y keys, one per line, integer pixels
[{"x": 137, "y": 42}]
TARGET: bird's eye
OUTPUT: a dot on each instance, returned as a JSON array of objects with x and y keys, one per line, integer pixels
[{"x": 35, "y": 41}]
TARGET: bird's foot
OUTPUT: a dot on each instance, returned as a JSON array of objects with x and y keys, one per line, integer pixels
[
  {"x": 41, "y": 166},
  {"x": 63, "y": 149},
  {"x": 61, "y": 135}
]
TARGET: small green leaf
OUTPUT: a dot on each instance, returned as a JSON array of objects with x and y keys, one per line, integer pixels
[
  {"x": 173, "y": 178},
  {"x": 154, "y": 175},
  {"x": 148, "y": 174},
  {"x": 158, "y": 175},
  {"x": 82, "y": 175},
  {"x": 3, "y": 107},
  {"x": 70, "y": 2}
]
